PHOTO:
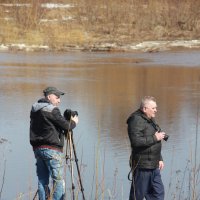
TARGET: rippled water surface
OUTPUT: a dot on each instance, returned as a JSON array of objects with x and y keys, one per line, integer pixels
[{"x": 104, "y": 88}]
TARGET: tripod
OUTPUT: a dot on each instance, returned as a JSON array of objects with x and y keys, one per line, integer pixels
[{"x": 70, "y": 149}]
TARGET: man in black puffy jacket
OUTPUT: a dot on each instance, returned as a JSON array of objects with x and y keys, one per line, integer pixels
[
  {"x": 145, "y": 137},
  {"x": 47, "y": 131}
]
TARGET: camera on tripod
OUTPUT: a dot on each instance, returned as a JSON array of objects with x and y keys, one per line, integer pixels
[
  {"x": 70, "y": 151},
  {"x": 70, "y": 113}
]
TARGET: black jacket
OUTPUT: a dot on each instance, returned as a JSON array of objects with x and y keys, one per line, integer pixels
[
  {"x": 47, "y": 125},
  {"x": 146, "y": 150}
]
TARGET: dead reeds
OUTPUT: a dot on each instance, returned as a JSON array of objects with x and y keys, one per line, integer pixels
[{"x": 96, "y": 21}]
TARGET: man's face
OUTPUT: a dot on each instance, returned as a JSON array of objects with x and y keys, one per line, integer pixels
[
  {"x": 54, "y": 99},
  {"x": 150, "y": 109}
]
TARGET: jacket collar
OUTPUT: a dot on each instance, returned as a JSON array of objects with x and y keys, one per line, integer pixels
[{"x": 140, "y": 112}]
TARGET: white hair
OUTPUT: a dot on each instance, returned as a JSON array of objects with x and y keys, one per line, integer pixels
[{"x": 145, "y": 100}]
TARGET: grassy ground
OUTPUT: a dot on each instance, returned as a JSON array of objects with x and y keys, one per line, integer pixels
[{"x": 93, "y": 22}]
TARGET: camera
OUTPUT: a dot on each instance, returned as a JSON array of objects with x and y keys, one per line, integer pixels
[
  {"x": 166, "y": 137},
  {"x": 70, "y": 113}
]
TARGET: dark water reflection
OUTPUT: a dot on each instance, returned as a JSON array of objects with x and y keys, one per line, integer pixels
[{"x": 104, "y": 88}]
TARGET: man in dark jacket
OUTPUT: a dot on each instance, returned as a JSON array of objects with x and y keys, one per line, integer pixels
[
  {"x": 47, "y": 131},
  {"x": 145, "y": 137}
]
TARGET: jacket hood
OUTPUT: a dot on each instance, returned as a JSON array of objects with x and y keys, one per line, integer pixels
[{"x": 40, "y": 104}]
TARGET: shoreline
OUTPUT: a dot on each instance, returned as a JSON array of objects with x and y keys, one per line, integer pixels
[{"x": 146, "y": 46}]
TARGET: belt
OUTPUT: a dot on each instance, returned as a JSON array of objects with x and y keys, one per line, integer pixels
[{"x": 47, "y": 147}]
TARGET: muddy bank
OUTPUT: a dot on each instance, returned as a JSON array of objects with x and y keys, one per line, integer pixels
[{"x": 146, "y": 46}]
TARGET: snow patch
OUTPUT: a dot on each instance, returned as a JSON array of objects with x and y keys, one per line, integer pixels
[
  {"x": 43, "y": 5},
  {"x": 23, "y": 47},
  {"x": 164, "y": 45},
  {"x": 15, "y": 4},
  {"x": 53, "y": 5}
]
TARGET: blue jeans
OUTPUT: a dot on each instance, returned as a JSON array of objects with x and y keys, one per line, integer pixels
[
  {"x": 147, "y": 184},
  {"x": 49, "y": 163}
]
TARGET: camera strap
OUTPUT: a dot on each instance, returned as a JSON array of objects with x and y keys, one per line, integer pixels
[{"x": 156, "y": 126}]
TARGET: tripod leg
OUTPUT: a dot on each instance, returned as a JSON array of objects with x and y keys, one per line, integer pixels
[
  {"x": 76, "y": 160},
  {"x": 67, "y": 157},
  {"x": 35, "y": 195},
  {"x": 71, "y": 166}
]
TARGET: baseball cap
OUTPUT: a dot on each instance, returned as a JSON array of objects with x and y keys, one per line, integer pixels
[{"x": 52, "y": 90}]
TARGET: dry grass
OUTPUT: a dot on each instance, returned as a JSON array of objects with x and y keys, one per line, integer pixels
[
  {"x": 97, "y": 21},
  {"x": 135, "y": 19}
]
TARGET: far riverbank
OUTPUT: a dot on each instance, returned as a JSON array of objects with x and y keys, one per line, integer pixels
[
  {"x": 74, "y": 25},
  {"x": 146, "y": 46}
]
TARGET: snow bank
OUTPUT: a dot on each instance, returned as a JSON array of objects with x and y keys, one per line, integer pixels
[{"x": 43, "y": 5}]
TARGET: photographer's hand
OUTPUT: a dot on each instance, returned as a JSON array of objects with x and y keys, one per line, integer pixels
[
  {"x": 161, "y": 165},
  {"x": 75, "y": 119},
  {"x": 160, "y": 135}
]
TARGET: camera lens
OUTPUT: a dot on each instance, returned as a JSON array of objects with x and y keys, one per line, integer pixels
[
  {"x": 166, "y": 137},
  {"x": 74, "y": 113}
]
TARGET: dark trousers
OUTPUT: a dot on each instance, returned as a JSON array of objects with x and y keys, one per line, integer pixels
[{"x": 147, "y": 184}]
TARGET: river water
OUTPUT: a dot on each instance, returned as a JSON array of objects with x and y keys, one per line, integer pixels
[{"x": 104, "y": 88}]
